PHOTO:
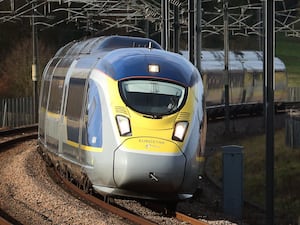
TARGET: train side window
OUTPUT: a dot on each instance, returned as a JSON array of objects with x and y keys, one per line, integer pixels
[
  {"x": 92, "y": 132},
  {"x": 46, "y": 82},
  {"x": 75, "y": 98},
  {"x": 56, "y": 94},
  {"x": 57, "y": 84},
  {"x": 47, "y": 75},
  {"x": 280, "y": 80},
  {"x": 49, "y": 71},
  {"x": 215, "y": 80},
  {"x": 257, "y": 79},
  {"x": 74, "y": 107},
  {"x": 236, "y": 79},
  {"x": 45, "y": 91},
  {"x": 62, "y": 52}
]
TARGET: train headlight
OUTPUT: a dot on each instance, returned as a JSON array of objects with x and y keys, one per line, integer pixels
[
  {"x": 153, "y": 68},
  {"x": 180, "y": 130},
  {"x": 123, "y": 125}
]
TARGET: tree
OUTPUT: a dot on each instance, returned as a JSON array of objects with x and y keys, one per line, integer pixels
[{"x": 15, "y": 70}]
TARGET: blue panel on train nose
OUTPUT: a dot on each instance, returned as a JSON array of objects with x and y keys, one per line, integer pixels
[
  {"x": 127, "y": 63},
  {"x": 152, "y": 173}
]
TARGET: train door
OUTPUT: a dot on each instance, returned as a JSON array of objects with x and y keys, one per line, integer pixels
[
  {"x": 236, "y": 86},
  {"x": 44, "y": 96},
  {"x": 54, "y": 104},
  {"x": 215, "y": 85},
  {"x": 73, "y": 109},
  {"x": 248, "y": 86},
  {"x": 91, "y": 126},
  {"x": 258, "y": 87},
  {"x": 62, "y": 126},
  {"x": 280, "y": 93}
]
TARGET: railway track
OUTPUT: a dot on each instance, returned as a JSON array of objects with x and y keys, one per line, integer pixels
[
  {"x": 10, "y": 138},
  {"x": 7, "y": 220},
  {"x": 217, "y": 112},
  {"x": 131, "y": 216}
]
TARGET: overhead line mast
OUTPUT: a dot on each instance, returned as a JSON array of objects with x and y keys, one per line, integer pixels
[{"x": 269, "y": 107}]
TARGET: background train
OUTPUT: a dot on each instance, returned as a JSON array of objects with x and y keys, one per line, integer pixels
[
  {"x": 123, "y": 116},
  {"x": 246, "y": 81}
]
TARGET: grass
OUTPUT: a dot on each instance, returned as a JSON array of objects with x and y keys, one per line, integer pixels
[
  {"x": 286, "y": 160},
  {"x": 287, "y": 49},
  {"x": 286, "y": 172}
]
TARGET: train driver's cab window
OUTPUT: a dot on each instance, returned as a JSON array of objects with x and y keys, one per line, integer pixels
[{"x": 153, "y": 97}]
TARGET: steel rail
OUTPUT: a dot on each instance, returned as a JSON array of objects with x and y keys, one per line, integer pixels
[
  {"x": 24, "y": 129},
  {"x": 118, "y": 211},
  {"x": 99, "y": 203},
  {"x": 3, "y": 221},
  {"x": 188, "y": 219},
  {"x": 6, "y": 219},
  {"x": 17, "y": 135},
  {"x": 32, "y": 134}
]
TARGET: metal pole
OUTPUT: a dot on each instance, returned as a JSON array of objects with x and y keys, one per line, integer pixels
[
  {"x": 269, "y": 107},
  {"x": 198, "y": 41},
  {"x": 147, "y": 28},
  {"x": 165, "y": 24},
  {"x": 4, "y": 113},
  {"x": 176, "y": 37},
  {"x": 226, "y": 52},
  {"x": 261, "y": 30},
  {"x": 191, "y": 31},
  {"x": 167, "y": 27},
  {"x": 34, "y": 65}
]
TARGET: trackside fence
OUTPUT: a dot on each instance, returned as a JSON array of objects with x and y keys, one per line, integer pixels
[
  {"x": 16, "y": 112},
  {"x": 294, "y": 94}
]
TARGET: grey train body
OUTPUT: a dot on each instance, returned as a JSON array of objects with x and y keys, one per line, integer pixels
[{"x": 123, "y": 116}]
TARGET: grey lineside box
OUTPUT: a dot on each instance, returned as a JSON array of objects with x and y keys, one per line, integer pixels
[
  {"x": 233, "y": 180},
  {"x": 292, "y": 129}
]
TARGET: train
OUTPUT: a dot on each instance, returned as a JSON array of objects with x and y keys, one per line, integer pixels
[
  {"x": 122, "y": 117},
  {"x": 245, "y": 80}
]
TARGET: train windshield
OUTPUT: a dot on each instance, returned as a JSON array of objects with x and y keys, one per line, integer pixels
[{"x": 153, "y": 97}]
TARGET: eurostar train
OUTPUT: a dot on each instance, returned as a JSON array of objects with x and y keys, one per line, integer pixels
[
  {"x": 246, "y": 81},
  {"x": 123, "y": 117},
  {"x": 245, "y": 77}
]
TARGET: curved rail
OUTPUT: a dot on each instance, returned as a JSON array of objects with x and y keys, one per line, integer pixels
[
  {"x": 118, "y": 211},
  {"x": 9, "y": 138},
  {"x": 99, "y": 203},
  {"x": 217, "y": 112},
  {"x": 4, "y": 221},
  {"x": 12, "y": 136},
  {"x": 190, "y": 220},
  {"x": 17, "y": 130},
  {"x": 7, "y": 220}
]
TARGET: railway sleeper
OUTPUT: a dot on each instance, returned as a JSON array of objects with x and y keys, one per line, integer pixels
[{"x": 167, "y": 208}]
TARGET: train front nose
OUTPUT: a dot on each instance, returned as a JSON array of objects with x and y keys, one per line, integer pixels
[{"x": 149, "y": 164}]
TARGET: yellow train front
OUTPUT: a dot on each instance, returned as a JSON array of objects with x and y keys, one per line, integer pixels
[{"x": 130, "y": 121}]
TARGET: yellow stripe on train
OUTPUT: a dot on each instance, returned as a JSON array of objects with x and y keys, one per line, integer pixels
[{"x": 84, "y": 147}]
